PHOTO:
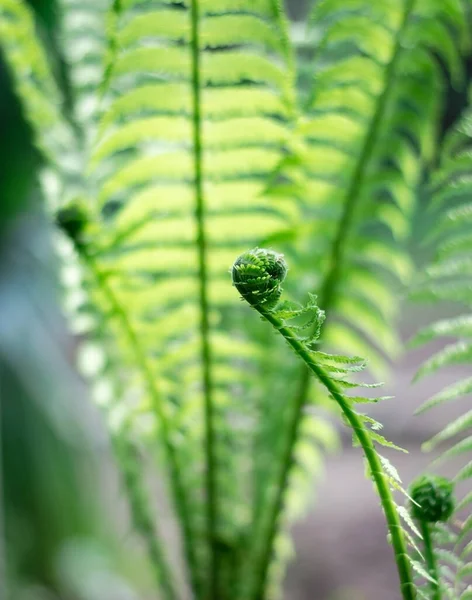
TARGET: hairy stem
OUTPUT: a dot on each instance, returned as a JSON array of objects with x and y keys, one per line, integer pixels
[
  {"x": 210, "y": 436},
  {"x": 386, "y": 498},
  {"x": 329, "y": 286},
  {"x": 431, "y": 563},
  {"x": 142, "y": 363}
]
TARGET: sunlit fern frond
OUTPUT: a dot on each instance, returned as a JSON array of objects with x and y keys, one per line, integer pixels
[
  {"x": 194, "y": 102},
  {"x": 370, "y": 128},
  {"x": 146, "y": 161},
  {"x": 449, "y": 278}
]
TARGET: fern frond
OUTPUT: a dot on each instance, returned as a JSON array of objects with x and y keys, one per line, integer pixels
[
  {"x": 182, "y": 112},
  {"x": 370, "y": 128},
  {"x": 258, "y": 276},
  {"x": 449, "y": 277}
]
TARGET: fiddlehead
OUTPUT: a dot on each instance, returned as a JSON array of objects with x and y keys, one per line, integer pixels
[
  {"x": 258, "y": 276},
  {"x": 432, "y": 498},
  {"x": 432, "y": 502}
]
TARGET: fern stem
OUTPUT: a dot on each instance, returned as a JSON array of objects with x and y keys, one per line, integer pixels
[
  {"x": 328, "y": 290},
  {"x": 386, "y": 498},
  {"x": 210, "y": 434},
  {"x": 142, "y": 514},
  {"x": 142, "y": 363},
  {"x": 431, "y": 562}
]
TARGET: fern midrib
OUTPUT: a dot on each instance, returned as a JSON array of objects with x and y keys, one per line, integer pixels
[
  {"x": 209, "y": 409},
  {"x": 142, "y": 365},
  {"x": 391, "y": 514},
  {"x": 329, "y": 286}
]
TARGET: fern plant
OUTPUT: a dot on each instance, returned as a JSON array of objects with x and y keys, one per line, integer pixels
[
  {"x": 177, "y": 139},
  {"x": 448, "y": 278}
]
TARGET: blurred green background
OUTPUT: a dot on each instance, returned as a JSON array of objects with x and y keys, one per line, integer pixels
[{"x": 59, "y": 544}]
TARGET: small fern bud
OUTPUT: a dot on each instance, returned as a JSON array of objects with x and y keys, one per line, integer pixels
[
  {"x": 258, "y": 275},
  {"x": 433, "y": 498},
  {"x": 72, "y": 220}
]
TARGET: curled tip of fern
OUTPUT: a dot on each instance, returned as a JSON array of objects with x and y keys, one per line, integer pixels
[
  {"x": 72, "y": 221},
  {"x": 258, "y": 275},
  {"x": 433, "y": 498}
]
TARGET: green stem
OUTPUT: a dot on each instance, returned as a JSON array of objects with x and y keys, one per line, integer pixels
[
  {"x": 431, "y": 563},
  {"x": 386, "y": 498},
  {"x": 328, "y": 289},
  {"x": 142, "y": 363},
  {"x": 210, "y": 434},
  {"x": 142, "y": 514}
]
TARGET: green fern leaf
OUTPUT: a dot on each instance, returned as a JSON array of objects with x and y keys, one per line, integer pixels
[
  {"x": 462, "y": 423},
  {"x": 449, "y": 278},
  {"x": 361, "y": 172}
]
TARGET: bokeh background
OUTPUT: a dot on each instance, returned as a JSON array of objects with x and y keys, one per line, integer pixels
[{"x": 66, "y": 524}]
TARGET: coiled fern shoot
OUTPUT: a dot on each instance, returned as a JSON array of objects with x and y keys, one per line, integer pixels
[{"x": 258, "y": 276}]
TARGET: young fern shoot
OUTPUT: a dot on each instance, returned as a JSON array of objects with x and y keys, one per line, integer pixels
[
  {"x": 432, "y": 502},
  {"x": 258, "y": 276}
]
